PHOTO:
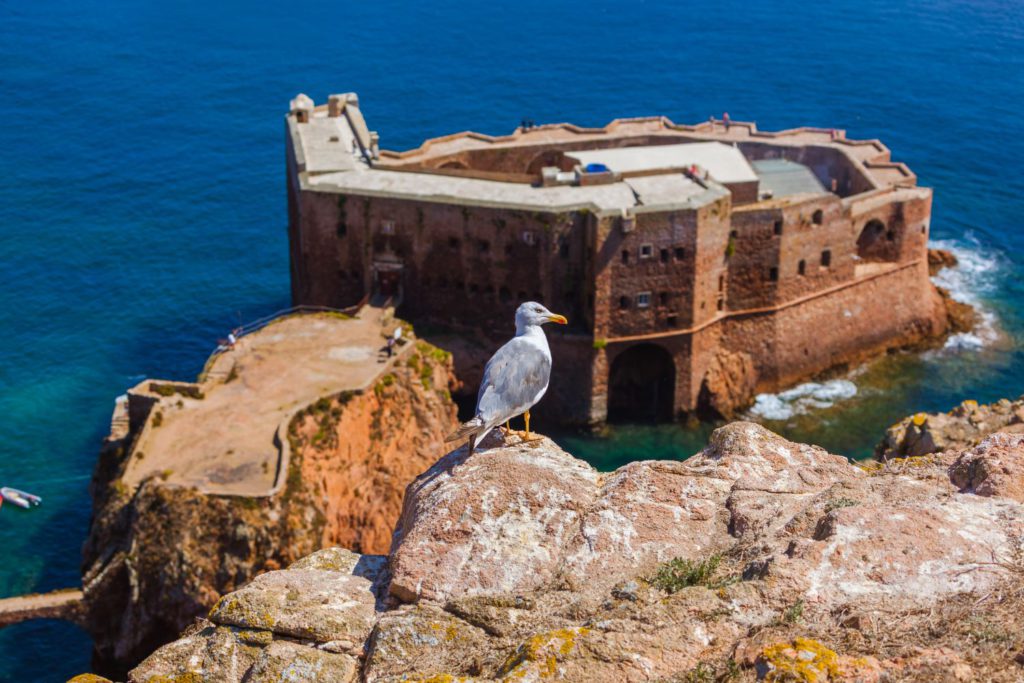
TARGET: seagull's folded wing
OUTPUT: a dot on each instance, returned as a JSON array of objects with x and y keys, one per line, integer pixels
[{"x": 512, "y": 379}]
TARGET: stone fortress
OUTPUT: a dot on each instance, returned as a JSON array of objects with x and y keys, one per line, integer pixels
[{"x": 698, "y": 265}]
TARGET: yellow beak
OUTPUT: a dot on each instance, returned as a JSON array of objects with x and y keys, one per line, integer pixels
[{"x": 560, "y": 319}]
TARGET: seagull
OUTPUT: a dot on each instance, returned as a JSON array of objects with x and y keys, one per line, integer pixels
[{"x": 515, "y": 377}]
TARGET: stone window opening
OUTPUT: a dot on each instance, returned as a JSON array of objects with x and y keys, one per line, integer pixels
[
  {"x": 646, "y": 251},
  {"x": 623, "y": 302},
  {"x": 890, "y": 235},
  {"x": 924, "y": 229},
  {"x": 721, "y": 304},
  {"x": 643, "y": 300},
  {"x": 625, "y": 255},
  {"x": 817, "y": 217},
  {"x": 733, "y": 234},
  {"x": 778, "y": 227},
  {"x": 826, "y": 258},
  {"x": 563, "y": 250},
  {"x": 663, "y": 298},
  {"x": 664, "y": 256},
  {"x": 680, "y": 253},
  {"x": 489, "y": 290},
  {"x": 529, "y": 237},
  {"x": 773, "y": 274},
  {"x": 387, "y": 228},
  {"x": 721, "y": 283},
  {"x": 672, "y": 320},
  {"x": 801, "y": 268},
  {"x": 483, "y": 246}
]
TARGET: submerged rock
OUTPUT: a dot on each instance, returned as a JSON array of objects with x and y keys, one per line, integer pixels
[{"x": 757, "y": 556}]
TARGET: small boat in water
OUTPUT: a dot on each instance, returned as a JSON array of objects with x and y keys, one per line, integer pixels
[{"x": 19, "y": 498}]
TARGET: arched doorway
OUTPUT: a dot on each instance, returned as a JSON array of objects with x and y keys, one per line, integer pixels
[
  {"x": 641, "y": 385},
  {"x": 872, "y": 244},
  {"x": 552, "y": 157}
]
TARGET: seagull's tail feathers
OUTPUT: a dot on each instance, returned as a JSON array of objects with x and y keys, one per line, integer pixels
[{"x": 470, "y": 428}]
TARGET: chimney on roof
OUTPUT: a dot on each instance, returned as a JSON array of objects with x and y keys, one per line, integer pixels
[
  {"x": 302, "y": 107},
  {"x": 335, "y": 105}
]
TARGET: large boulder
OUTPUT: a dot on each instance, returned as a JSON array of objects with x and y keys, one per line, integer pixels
[{"x": 756, "y": 557}]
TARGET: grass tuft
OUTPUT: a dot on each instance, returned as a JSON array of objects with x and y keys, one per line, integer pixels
[{"x": 679, "y": 573}]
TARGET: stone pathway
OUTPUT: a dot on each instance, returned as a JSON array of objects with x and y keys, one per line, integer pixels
[{"x": 225, "y": 443}]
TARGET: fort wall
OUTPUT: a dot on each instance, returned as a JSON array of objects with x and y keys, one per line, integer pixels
[{"x": 677, "y": 287}]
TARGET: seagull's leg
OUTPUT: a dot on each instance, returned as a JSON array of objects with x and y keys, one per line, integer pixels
[
  {"x": 526, "y": 416},
  {"x": 507, "y": 428}
]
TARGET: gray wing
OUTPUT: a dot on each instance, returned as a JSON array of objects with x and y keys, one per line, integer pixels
[{"x": 512, "y": 379}]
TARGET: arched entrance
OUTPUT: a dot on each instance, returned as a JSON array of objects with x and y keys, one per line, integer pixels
[
  {"x": 873, "y": 245},
  {"x": 641, "y": 385}
]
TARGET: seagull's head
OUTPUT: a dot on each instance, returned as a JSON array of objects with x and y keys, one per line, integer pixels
[{"x": 533, "y": 313}]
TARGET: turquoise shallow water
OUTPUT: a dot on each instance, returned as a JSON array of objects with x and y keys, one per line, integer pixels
[{"x": 142, "y": 207}]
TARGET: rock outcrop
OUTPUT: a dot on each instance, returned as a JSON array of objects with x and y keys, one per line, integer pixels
[
  {"x": 960, "y": 428},
  {"x": 756, "y": 558},
  {"x": 939, "y": 259},
  {"x": 729, "y": 385},
  {"x": 160, "y": 556}
]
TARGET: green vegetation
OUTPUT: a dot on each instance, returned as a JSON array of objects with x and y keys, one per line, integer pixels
[
  {"x": 158, "y": 419},
  {"x": 838, "y": 503},
  {"x": 679, "y": 573},
  {"x": 708, "y": 673},
  {"x": 382, "y": 384},
  {"x": 600, "y": 344},
  {"x": 187, "y": 390},
  {"x": 730, "y": 248},
  {"x": 233, "y": 375},
  {"x": 793, "y": 613},
  {"x": 428, "y": 351}
]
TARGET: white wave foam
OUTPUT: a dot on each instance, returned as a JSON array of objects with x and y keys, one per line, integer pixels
[
  {"x": 976, "y": 274},
  {"x": 801, "y": 398}
]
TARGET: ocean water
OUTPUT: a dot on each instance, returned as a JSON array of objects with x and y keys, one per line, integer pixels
[{"x": 142, "y": 203}]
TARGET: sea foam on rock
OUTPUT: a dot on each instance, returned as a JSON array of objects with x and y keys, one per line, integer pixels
[{"x": 521, "y": 562}]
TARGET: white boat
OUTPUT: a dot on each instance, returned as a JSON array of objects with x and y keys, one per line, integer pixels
[{"x": 19, "y": 498}]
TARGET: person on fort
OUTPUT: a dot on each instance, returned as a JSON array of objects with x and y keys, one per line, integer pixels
[
  {"x": 390, "y": 346},
  {"x": 711, "y": 121},
  {"x": 726, "y": 121}
]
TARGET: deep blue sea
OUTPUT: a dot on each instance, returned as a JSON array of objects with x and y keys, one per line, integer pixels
[{"x": 142, "y": 195}]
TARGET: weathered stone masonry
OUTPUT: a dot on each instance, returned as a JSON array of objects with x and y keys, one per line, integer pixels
[{"x": 697, "y": 265}]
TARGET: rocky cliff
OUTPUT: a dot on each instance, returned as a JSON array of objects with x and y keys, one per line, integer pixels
[
  {"x": 160, "y": 555},
  {"x": 757, "y": 558}
]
